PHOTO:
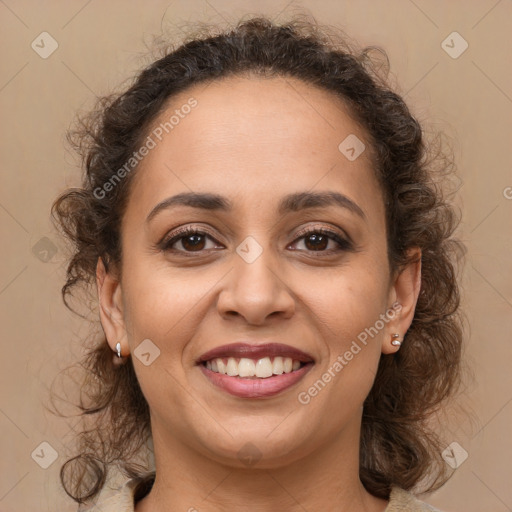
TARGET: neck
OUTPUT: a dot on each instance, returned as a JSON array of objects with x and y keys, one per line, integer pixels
[{"x": 327, "y": 479}]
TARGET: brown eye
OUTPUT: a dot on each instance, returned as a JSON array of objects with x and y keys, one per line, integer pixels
[
  {"x": 317, "y": 240},
  {"x": 191, "y": 240}
]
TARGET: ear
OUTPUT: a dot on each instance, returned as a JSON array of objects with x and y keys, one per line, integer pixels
[
  {"x": 403, "y": 295},
  {"x": 111, "y": 307}
]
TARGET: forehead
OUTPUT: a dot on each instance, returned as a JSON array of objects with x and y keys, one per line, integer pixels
[
  {"x": 253, "y": 138},
  {"x": 260, "y": 115}
]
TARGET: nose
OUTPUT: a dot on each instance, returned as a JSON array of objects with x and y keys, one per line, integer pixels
[{"x": 256, "y": 290}]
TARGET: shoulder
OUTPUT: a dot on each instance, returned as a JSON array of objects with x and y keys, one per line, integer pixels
[
  {"x": 404, "y": 501},
  {"x": 123, "y": 499},
  {"x": 120, "y": 499}
]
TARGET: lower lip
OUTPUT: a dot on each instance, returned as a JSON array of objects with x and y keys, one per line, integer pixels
[{"x": 256, "y": 387}]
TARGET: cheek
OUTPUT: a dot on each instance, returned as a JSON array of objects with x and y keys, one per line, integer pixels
[
  {"x": 164, "y": 304},
  {"x": 349, "y": 300},
  {"x": 157, "y": 303},
  {"x": 161, "y": 305},
  {"x": 348, "y": 315}
]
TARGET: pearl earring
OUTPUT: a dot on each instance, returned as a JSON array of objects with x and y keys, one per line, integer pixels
[
  {"x": 118, "y": 349},
  {"x": 395, "y": 341}
]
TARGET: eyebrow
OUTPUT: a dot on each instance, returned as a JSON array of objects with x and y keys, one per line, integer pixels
[{"x": 290, "y": 203}]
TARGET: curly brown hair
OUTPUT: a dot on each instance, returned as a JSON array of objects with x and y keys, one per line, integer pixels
[{"x": 397, "y": 447}]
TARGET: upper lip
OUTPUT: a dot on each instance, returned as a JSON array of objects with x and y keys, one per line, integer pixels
[{"x": 255, "y": 351}]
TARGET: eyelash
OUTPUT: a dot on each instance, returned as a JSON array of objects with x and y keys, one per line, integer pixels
[{"x": 345, "y": 245}]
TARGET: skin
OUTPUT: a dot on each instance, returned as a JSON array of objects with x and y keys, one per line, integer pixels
[{"x": 254, "y": 141}]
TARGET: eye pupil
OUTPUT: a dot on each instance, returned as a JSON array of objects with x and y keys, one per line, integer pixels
[
  {"x": 195, "y": 244},
  {"x": 318, "y": 241}
]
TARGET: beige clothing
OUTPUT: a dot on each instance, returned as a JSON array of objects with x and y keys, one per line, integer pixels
[{"x": 123, "y": 500}]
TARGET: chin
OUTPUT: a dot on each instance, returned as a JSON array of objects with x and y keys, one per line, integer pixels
[{"x": 258, "y": 448}]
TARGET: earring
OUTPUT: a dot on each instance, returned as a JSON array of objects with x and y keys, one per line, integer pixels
[
  {"x": 395, "y": 341},
  {"x": 118, "y": 348}
]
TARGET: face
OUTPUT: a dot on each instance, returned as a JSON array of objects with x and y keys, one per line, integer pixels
[{"x": 265, "y": 264}]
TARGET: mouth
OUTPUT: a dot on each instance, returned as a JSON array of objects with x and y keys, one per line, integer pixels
[{"x": 255, "y": 371}]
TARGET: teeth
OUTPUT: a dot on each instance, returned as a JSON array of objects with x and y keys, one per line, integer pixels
[
  {"x": 232, "y": 368},
  {"x": 278, "y": 368},
  {"x": 221, "y": 367},
  {"x": 263, "y": 367},
  {"x": 245, "y": 367}
]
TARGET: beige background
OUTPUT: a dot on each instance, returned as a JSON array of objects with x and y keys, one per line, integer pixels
[{"x": 101, "y": 44}]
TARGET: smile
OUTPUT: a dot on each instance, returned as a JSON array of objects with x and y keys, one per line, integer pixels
[
  {"x": 253, "y": 368},
  {"x": 255, "y": 371}
]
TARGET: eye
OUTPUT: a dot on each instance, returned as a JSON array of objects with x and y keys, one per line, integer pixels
[
  {"x": 194, "y": 240},
  {"x": 317, "y": 240},
  {"x": 189, "y": 238}
]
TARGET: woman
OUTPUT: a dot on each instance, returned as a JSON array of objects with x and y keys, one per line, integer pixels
[{"x": 274, "y": 265}]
